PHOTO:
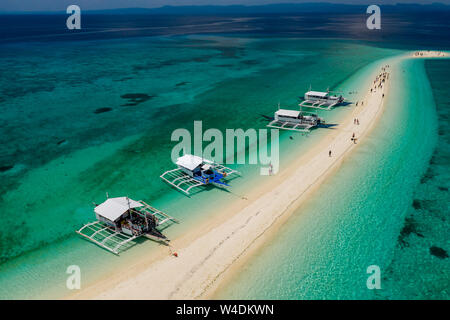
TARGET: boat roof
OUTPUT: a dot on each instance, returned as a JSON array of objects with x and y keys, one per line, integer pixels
[
  {"x": 289, "y": 113},
  {"x": 190, "y": 161},
  {"x": 113, "y": 208},
  {"x": 317, "y": 93}
]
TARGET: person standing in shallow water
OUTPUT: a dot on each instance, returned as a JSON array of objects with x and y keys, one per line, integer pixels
[{"x": 329, "y": 153}]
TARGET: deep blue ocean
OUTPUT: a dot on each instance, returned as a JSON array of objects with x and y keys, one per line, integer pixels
[{"x": 406, "y": 30}]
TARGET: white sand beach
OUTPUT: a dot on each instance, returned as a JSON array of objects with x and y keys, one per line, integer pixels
[{"x": 211, "y": 253}]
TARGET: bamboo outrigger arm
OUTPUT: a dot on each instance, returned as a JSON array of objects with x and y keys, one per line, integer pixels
[
  {"x": 178, "y": 179},
  {"x": 105, "y": 237},
  {"x": 285, "y": 125},
  {"x": 317, "y": 104}
]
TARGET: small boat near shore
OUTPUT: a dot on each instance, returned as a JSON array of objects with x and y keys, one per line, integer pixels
[
  {"x": 321, "y": 100},
  {"x": 194, "y": 171},
  {"x": 121, "y": 220},
  {"x": 295, "y": 120}
]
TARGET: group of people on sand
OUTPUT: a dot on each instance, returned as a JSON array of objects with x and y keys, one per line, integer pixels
[
  {"x": 378, "y": 83},
  {"x": 429, "y": 53},
  {"x": 380, "y": 80}
]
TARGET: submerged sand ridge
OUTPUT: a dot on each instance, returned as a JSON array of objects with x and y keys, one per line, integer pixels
[{"x": 205, "y": 260}]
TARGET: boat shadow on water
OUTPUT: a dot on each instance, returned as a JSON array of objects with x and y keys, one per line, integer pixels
[
  {"x": 343, "y": 104},
  {"x": 327, "y": 125}
]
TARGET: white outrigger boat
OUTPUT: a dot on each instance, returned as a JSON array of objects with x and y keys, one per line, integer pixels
[
  {"x": 295, "y": 120},
  {"x": 321, "y": 100},
  {"x": 194, "y": 171},
  {"x": 121, "y": 220}
]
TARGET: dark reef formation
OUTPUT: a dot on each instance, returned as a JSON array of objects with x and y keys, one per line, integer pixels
[
  {"x": 438, "y": 252},
  {"x": 5, "y": 168},
  {"x": 102, "y": 110},
  {"x": 136, "y": 98}
]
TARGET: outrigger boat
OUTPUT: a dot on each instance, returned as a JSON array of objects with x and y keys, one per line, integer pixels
[
  {"x": 295, "y": 120},
  {"x": 121, "y": 220},
  {"x": 194, "y": 171},
  {"x": 321, "y": 100}
]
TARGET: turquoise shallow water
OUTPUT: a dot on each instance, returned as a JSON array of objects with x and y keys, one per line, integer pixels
[
  {"x": 420, "y": 268},
  {"x": 358, "y": 217},
  {"x": 70, "y": 132}
]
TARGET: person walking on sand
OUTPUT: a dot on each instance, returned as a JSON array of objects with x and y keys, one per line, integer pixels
[
  {"x": 329, "y": 153},
  {"x": 353, "y": 138}
]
